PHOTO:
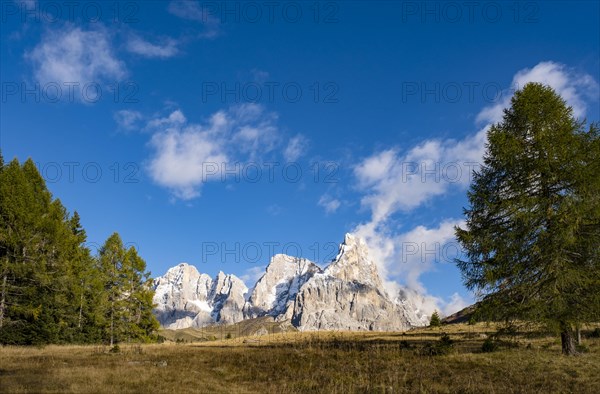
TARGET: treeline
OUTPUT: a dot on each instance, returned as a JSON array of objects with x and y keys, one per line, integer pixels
[{"x": 52, "y": 289}]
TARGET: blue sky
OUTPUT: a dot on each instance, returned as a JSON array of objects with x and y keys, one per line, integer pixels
[{"x": 219, "y": 133}]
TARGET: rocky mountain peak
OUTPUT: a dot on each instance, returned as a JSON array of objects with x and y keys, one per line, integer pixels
[
  {"x": 275, "y": 291},
  {"x": 187, "y": 298},
  {"x": 347, "y": 295},
  {"x": 353, "y": 264},
  {"x": 283, "y": 263}
]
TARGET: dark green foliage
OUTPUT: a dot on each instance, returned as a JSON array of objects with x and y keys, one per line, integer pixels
[
  {"x": 435, "y": 320},
  {"x": 404, "y": 344},
  {"x": 595, "y": 333},
  {"x": 489, "y": 345},
  {"x": 443, "y": 346},
  {"x": 51, "y": 289},
  {"x": 127, "y": 291},
  {"x": 532, "y": 232}
]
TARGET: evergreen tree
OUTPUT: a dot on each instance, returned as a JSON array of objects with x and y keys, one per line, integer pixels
[
  {"x": 51, "y": 289},
  {"x": 128, "y": 292},
  {"x": 435, "y": 320},
  {"x": 24, "y": 242},
  {"x": 141, "y": 321},
  {"x": 111, "y": 265},
  {"x": 532, "y": 232}
]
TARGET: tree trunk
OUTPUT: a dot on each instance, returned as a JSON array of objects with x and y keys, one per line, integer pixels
[
  {"x": 3, "y": 301},
  {"x": 112, "y": 324},
  {"x": 578, "y": 337},
  {"x": 80, "y": 307},
  {"x": 567, "y": 340}
]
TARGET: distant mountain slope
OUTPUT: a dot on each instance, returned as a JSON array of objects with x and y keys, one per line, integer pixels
[
  {"x": 462, "y": 316},
  {"x": 347, "y": 295}
]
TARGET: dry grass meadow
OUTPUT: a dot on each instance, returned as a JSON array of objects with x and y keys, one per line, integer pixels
[{"x": 294, "y": 362}]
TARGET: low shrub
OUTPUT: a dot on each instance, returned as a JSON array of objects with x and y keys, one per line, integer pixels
[
  {"x": 444, "y": 346},
  {"x": 489, "y": 346}
]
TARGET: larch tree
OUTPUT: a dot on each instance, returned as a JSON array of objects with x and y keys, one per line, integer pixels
[{"x": 532, "y": 234}]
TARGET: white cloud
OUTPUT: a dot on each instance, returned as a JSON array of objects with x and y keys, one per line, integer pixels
[
  {"x": 454, "y": 304},
  {"x": 165, "y": 49},
  {"x": 74, "y": 55},
  {"x": 395, "y": 181},
  {"x": 187, "y": 155},
  {"x": 128, "y": 119},
  {"x": 421, "y": 249},
  {"x": 426, "y": 304},
  {"x": 296, "y": 147},
  {"x": 193, "y": 11},
  {"x": 408, "y": 255},
  {"x": 573, "y": 86},
  {"x": 329, "y": 203},
  {"x": 256, "y": 132}
]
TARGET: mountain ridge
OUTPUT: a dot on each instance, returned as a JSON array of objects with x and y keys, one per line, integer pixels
[{"x": 348, "y": 294}]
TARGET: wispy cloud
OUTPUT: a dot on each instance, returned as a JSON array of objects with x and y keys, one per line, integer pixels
[
  {"x": 329, "y": 203},
  {"x": 165, "y": 48},
  {"x": 575, "y": 87},
  {"x": 127, "y": 119},
  {"x": 295, "y": 148},
  {"x": 193, "y": 11},
  {"x": 72, "y": 55},
  {"x": 186, "y": 155},
  {"x": 394, "y": 181}
]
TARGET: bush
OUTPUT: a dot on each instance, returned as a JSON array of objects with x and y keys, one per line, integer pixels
[
  {"x": 582, "y": 349},
  {"x": 595, "y": 333},
  {"x": 115, "y": 349},
  {"x": 444, "y": 346},
  {"x": 228, "y": 336},
  {"x": 472, "y": 320},
  {"x": 404, "y": 344},
  {"x": 489, "y": 345}
]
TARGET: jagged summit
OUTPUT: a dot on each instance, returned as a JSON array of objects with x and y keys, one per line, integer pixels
[
  {"x": 348, "y": 294},
  {"x": 186, "y": 298},
  {"x": 275, "y": 291},
  {"x": 353, "y": 263}
]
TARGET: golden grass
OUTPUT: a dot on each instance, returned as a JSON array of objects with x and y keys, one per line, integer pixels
[{"x": 294, "y": 362}]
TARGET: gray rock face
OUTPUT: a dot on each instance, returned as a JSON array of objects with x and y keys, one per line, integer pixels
[
  {"x": 412, "y": 302},
  {"x": 347, "y": 295},
  {"x": 275, "y": 292},
  {"x": 228, "y": 294},
  {"x": 185, "y": 298}
]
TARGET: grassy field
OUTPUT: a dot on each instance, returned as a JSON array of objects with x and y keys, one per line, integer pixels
[{"x": 289, "y": 361}]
